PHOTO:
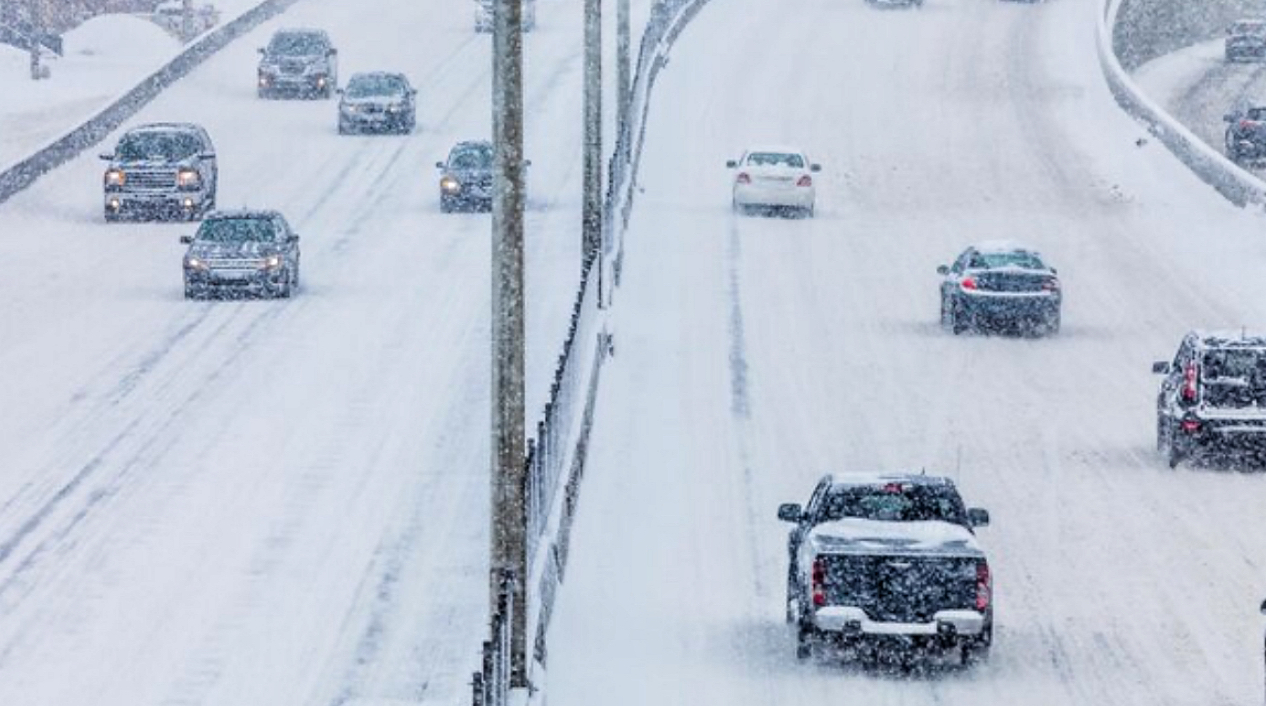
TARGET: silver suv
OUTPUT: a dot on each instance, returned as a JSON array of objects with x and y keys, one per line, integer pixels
[
  {"x": 301, "y": 62},
  {"x": 243, "y": 252},
  {"x": 161, "y": 170}
]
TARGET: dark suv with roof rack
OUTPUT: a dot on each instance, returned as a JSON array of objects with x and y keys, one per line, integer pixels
[
  {"x": 1213, "y": 396},
  {"x": 161, "y": 170}
]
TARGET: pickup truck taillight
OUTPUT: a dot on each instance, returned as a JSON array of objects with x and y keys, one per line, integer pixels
[
  {"x": 1189, "y": 383},
  {"x": 984, "y": 586},
  {"x": 819, "y": 582}
]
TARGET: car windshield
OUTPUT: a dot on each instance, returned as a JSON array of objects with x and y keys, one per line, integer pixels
[
  {"x": 376, "y": 85},
  {"x": 471, "y": 158},
  {"x": 1234, "y": 377},
  {"x": 236, "y": 230},
  {"x": 158, "y": 145},
  {"x": 297, "y": 44},
  {"x": 894, "y": 502},
  {"x": 1248, "y": 28},
  {"x": 775, "y": 159},
  {"x": 1013, "y": 258}
]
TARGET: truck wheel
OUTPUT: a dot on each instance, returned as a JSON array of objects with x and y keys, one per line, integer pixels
[
  {"x": 958, "y": 319},
  {"x": 806, "y": 636},
  {"x": 1173, "y": 455}
]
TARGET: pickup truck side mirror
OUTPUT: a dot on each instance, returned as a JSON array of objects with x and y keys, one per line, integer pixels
[
  {"x": 815, "y": 167},
  {"x": 942, "y": 270},
  {"x": 1264, "y": 607},
  {"x": 107, "y": 156},
  {"x": 527, "y": 162},
  {"x": 262, "y": 50},
  {"x": 294, "y": 238},
  {"x": 790, "y": 512},
  {"x": 977, "y": 517},
  {"x": 186, "y": 240},
  {"x": 1160, "y": 367},
  {"x": 439, "y": 165},
  {"x": 730, "y": 164},
  {"x": 332, "y": 52}
]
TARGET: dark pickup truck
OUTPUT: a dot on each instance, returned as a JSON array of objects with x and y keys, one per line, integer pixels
[{"x": 888, "y": 565}]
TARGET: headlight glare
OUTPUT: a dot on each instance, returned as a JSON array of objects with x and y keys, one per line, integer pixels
[
  {"x": 450, "y": 185},
  {"x": 272, "y": 262},
  {"x": 188, "y": 178},
  {"x": 115, "y": 177}
]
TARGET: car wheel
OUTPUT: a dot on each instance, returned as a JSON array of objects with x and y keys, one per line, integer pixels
[
  {"x": 111, "y": 216},
  {"x": 190, "y": 291},
  {"x": 1052, "y": 323},
  {"x": 343, "y": 128},
  {"x": 976, "y": 651},
  {"x": 806, "y": 637},
  {"x": 1173, "y": 451},
  {"x": 958, "y": 318},
  {"x": 446, "y": 205}
]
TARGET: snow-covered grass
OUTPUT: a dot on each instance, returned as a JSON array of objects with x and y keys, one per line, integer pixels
[{"x": 103, "y": 59}]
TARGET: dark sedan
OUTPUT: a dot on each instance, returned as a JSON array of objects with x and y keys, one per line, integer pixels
[
  {"x": 377, "y": 102},
  {"x": 466, "y": 177},
  {"x": 1000, "y": 285},
  {"x": 242, "y": 252}
]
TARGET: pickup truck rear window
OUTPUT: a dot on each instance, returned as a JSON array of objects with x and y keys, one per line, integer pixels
[{"x": 895, "y": 502}]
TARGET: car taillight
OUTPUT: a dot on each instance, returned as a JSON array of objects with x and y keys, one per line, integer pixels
[
  {"x": 1248, "y": 124},
  {"x": 984, "y": 586},
  {"x": 743, "y": 178},
  {"x": 819, "y": 582},
  {"x": 968, "y": 283},
  {"x": 1189, "y": 382},
  {"x": 1191, "y": 426},
  {"x": 1051, "y": 285},
  {"x": 805, "y": 180}
]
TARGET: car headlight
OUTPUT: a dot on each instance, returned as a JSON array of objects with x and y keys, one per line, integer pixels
[
  {"x": 348, "y": 108},
  {"x": 450, "y": 185},
  {"x": 115, "y": 177},
  {"x": 187, "y": 178},
  {"x": 194, "y": 263},
  {"x": 271, "y": 262}
]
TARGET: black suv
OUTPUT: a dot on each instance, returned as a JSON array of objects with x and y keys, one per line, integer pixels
[
  {"x": 1246, "y": 39},
  {"x": 888, "y": 566},
  {"x": 161, "y": 170},
  {"x": 377, "y": 101},
  {"x": 1213, "y": 396},
  {"x": 244, "y": 252},
  {"x": 300, "y": 62},
  {"x": 1246, "y": 134}
]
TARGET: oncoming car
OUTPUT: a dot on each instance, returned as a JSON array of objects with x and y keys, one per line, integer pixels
[
  {"x": 1245, "y": 39},
  {"x": 377, "y": 101},
  {"x": 300, "y": 62},
  {"x": 998, "y": 284},
  {"x": 160, "y": 170},
  {"x": 242, "y": 252},
  {"x": 466, "y": 177},
  {"x": 778, "y": 178}
]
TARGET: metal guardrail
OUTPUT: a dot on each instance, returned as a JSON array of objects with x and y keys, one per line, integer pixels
[
  {"x": 1234, "y": 183},
  {"x": 25, "y": 172},
  {"x": 491, "y": 684}
]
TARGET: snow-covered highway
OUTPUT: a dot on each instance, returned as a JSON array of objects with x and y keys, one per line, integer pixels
[
  {"x": 755, "y": 354},
  {"x": 273, "y": 502}
]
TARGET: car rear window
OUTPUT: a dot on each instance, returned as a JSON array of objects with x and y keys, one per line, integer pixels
[
  {"x": 990, "y": 260},
  {"x": 894, "y": 502},
  {"x": 775, "y": 159},
  {"x": 236, "y": 230},
  {"x": 1248, "y": 28}
]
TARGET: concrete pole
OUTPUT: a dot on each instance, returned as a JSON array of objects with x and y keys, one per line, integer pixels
[
  {"x": 623, "y": 67},
  {"x": 592, "y": 212},
  {"x": 37, "y": 32},
  {"x": 509, "y": 481},
  {"x": 186, "y": 20}
]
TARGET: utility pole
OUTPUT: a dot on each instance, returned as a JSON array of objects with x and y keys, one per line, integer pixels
[
  {"x": 622, "y": 68},
  {"x": 592, "y": 215},
  {"x": 186, "y": 20},
  {"x": 509, "y": 481},
  {"x": 37, "y": 33}
]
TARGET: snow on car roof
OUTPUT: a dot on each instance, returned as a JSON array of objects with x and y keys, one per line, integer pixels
[
  {"x": 1231, "y": 338},
  {"x": 776, "y": 149},
  {"x": 877, "y": 478},
  {"x": 991, "y": 246}
]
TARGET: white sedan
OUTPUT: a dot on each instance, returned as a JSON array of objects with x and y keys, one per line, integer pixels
[{"x": 774, "y": 178}]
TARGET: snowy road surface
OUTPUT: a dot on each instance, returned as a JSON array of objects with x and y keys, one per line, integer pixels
[
  {"x": 755, "y": 354},
  {"x": 273, "y": 502}
]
